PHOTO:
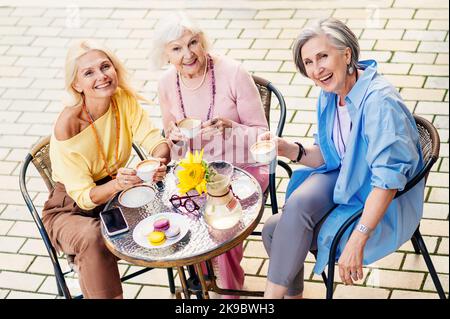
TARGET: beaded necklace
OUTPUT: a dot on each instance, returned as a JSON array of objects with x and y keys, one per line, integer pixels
[
  {"x": 210, "y": 65},
  {"x": 97, "y": 138}
]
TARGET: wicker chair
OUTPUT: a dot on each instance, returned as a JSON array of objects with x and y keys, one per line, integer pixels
[
  {"x": 39, "y": 156},
  {"x": 430, "y": 144}
]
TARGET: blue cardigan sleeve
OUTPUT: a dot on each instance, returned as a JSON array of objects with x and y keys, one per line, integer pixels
[{"x": 392, "y": 153}]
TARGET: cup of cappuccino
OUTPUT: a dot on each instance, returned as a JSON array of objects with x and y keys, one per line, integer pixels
[
  {"x": 190, "y": 127},
  {"x": 264, "y": 151},
  {"x": 146, "y": 169}
]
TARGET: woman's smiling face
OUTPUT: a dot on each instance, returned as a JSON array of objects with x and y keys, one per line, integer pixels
[
  {"x": 96, "y": 76},
  {"x": 187, "y": 54},
  {"x": 325, "y": 64}
]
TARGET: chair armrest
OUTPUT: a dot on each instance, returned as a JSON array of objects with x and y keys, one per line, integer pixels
[{"x": 286, "y": 167}]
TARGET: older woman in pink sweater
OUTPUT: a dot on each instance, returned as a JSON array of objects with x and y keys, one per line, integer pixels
[{"x": 221, "y": 93}]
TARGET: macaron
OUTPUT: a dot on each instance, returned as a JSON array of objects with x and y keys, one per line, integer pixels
[
  {"x": 161, "y": 224},
  {"x": 172, "y": 232},
  {"x": 156, "y": 238}
]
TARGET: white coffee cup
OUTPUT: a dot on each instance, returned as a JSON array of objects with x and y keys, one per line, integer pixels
[
  {"x": 190, "y": 127},
  {"x": 264, "y": 151},
  {"x": 147, "y": 168}
]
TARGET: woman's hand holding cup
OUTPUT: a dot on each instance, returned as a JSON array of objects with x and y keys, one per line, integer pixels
[
  {"x": 125, "y": 178},
  {"x": 284, "y": 147}
]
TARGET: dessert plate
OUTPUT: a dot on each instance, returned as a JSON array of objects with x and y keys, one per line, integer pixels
[
  {"x": 145, "y": 227},
  {"x": 137, "y": 196}
]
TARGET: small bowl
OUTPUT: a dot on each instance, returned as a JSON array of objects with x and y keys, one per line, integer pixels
[
  {"x": 264, "y": 151},
  {"x": 190, "y": 127}
]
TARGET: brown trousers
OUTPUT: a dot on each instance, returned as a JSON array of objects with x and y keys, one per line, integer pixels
[{"x": 77, "y": 232}]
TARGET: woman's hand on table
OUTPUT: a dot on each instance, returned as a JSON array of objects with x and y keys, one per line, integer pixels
[{"x": 125, "y": 178}]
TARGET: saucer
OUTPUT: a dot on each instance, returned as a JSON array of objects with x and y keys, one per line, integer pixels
[{"x": 137, "y": 196}]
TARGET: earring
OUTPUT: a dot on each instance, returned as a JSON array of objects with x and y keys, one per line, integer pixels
[{"x": 351, "y": 69}]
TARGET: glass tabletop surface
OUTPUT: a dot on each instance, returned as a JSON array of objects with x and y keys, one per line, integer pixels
[{"x": 197, "y": 237}]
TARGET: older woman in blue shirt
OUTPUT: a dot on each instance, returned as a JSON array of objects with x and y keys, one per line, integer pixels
[{"x": 366, "y": 149}]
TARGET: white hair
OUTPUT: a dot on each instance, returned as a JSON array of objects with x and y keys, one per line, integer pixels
[{"x": 170, "y": 29}]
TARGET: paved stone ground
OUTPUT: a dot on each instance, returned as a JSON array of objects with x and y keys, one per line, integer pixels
[{"x": 409, "y": 38}]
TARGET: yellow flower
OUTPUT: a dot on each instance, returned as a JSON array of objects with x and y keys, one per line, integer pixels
[{"x": 193, "y": 175}]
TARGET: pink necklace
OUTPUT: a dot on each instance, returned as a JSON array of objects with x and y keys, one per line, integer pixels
[{"x": 210, "y": 65}]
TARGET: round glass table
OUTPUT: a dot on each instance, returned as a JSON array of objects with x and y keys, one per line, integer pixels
[{"x": 198, "y": 243}]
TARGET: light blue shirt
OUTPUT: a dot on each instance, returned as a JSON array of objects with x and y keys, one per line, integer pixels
[{"x": 383, "y": 151}]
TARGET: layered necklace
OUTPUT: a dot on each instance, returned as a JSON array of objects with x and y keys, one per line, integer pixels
[
  {"x": 209, "y": 65},
  {"x": 98, "y": 141}
]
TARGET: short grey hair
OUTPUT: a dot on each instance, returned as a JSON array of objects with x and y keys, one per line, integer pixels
[
  {"x": 170, "y": 29},
  {"x": 339, "y": 34}
]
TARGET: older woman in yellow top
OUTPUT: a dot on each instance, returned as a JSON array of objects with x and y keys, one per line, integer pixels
[{"x": 90, "y": 145}]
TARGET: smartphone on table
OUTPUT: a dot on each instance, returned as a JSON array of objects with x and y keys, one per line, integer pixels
[{"x": 114, "y": 221}]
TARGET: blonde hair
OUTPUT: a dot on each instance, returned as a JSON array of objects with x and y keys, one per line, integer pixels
[
  {"x": 78, "y": 49},
  {"x": 171, "y": 29}
]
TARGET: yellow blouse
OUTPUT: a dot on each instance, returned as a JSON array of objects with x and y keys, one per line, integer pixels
[{"x": 77, "y": 163}]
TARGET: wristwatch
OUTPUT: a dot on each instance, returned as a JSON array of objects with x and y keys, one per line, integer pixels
[{"x": 364, "y": 229}]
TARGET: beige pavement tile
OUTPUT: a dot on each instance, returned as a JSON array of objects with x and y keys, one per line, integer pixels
[
  {"x": 9, "y": 116},
  {"x": 407, "y": 24},
  {"x": 358, "y": 292},
  {"x": 433, "y": 47},
  {"x": 431, "y": 14},
  {"x": 49, "y": 286},
  {"x": 312, "y": 14},
  {"x": 394, "y": 68},
  {"x": 382, "y": 34},
  {"x": 28, "y": 295},
  {"x": 242, "y": 54},
  {"x": 435, "y": 211},
  {"x": 213, "y": 24},
  {"x": 314, "y": 290},
  {"x": 156, "y": 276},
  {"x": 437, "y": 82},
  {"x": 236, "y": 14},
  {"x": 443, "y": 246},
  {"x": 255, "y": 249},
  {"x": 395, "y": 279},
  {"x": 42, "y": 265},
  {"x": 424, "y": 69},
  {"x": 251, "y": 265},
  {"x": 35, "y": 247},
  {"x": 423, "y": 94},
  {"x": 409, "y": 57},
  {"x": 422, "y": 35},
  {"x": 392, "y": 261},
  {"x": 254, "y": 283},
  {"x": 296, "y": 24},
  {"x": 429, "y": 285},
  {"x": 131, "y": 291},
  {"x": 379, "y": 56},
  {"x": 233, "y": 44},
  {"x": 438, "y": 179},
  {"x": 3, "y": 293},
  {"x": 439, "y": 195},
  {"x": 260, "y": 33},
  {"x": 425, "y": 107},
  {"x": 7, "y": 167},
  {"x": 153, "y": 292},
  {"x": 417, "y": 263},
  {"x": 10, "y": 244},
  {"x": 405, "y": 81},
  {"x": 276, "y": 78},
  {"x": 405, "y": 294},
  {"x": 14, "y": 262},
  {"x": 444, "y": 165},
  {"x": 274, "y": 14},
  {"x": 434, "y": 227},
  {"x": 396, "y": 45},
  {"x": 17, "y": 154},
  {"x": 5, "y": 226},
  {"x": 262, "y": 66},
  {"x": 272, "y": 43},
  {"x": 246, "y": 24},
  {"x": 24, "y": 229},
  {"x": 438, "y": 25}
]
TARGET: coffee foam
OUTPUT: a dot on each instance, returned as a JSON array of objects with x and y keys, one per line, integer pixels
[{"x": 148, "y": 166}]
